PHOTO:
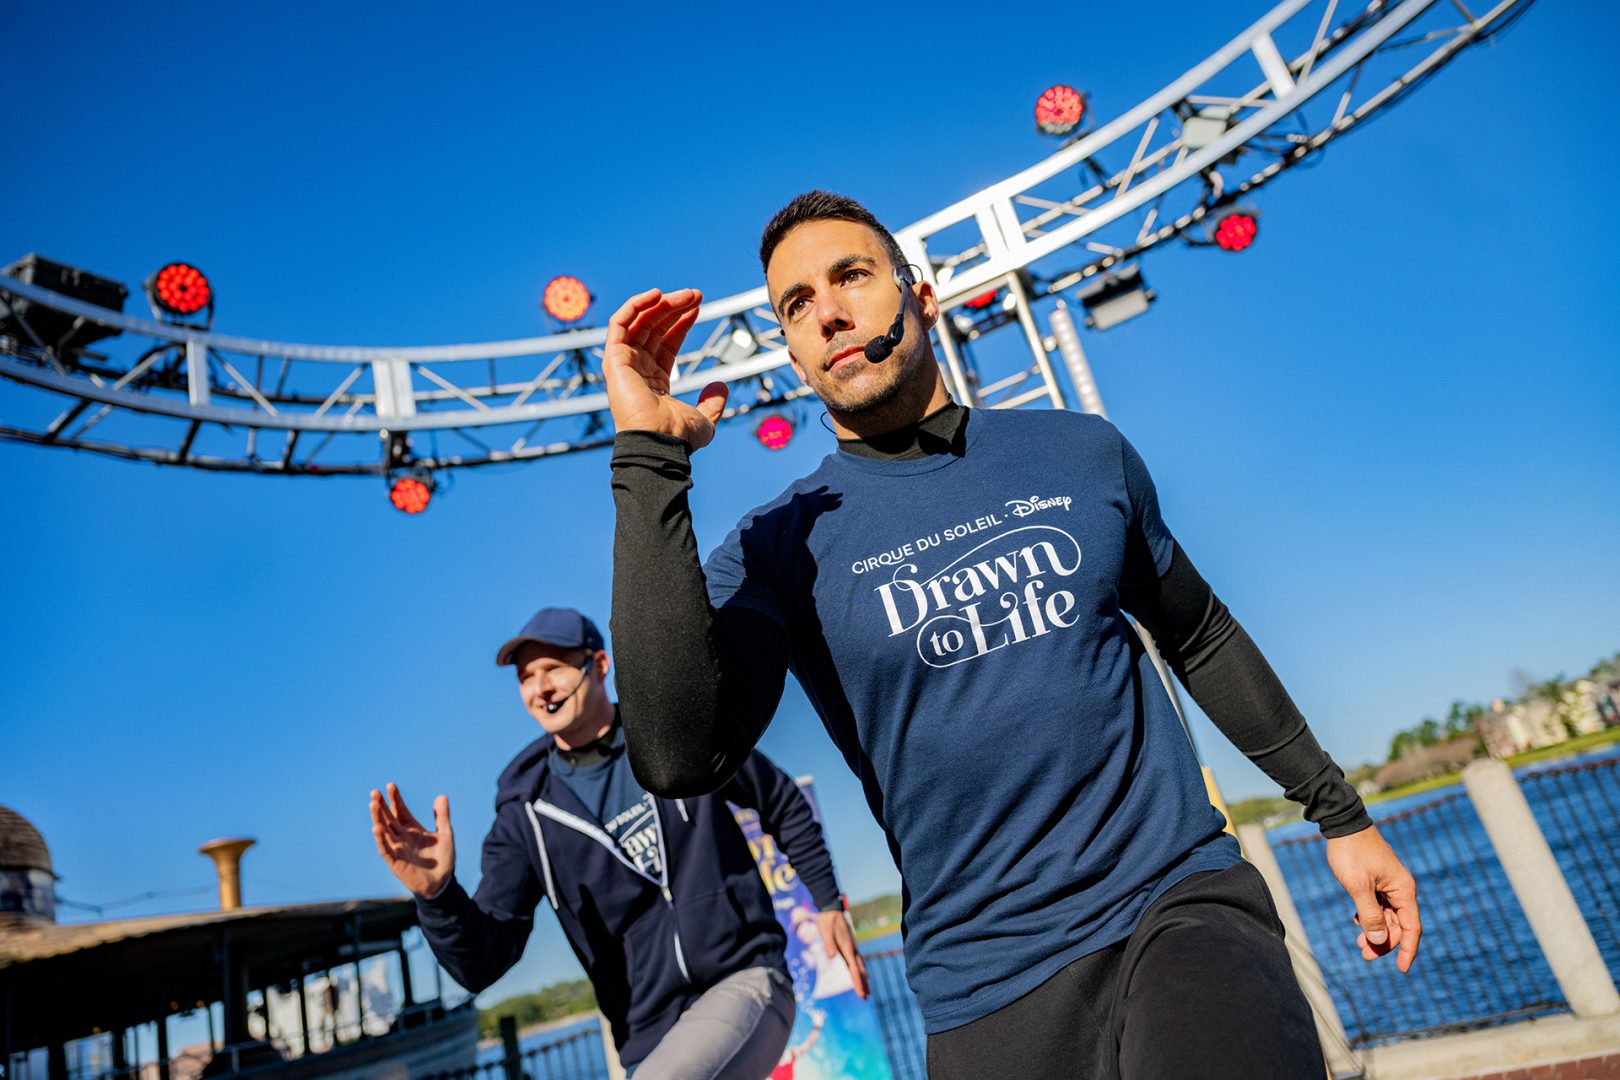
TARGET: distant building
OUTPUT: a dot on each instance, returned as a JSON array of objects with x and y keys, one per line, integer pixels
[
  {"x": 27, "y": 885},
  {"x": 1585, "y": 706}
]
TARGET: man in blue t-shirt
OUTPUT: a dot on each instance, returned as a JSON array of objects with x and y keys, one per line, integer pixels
[
  {"x": 660, "y": 899},
  {"x": 951, "y": 589}
]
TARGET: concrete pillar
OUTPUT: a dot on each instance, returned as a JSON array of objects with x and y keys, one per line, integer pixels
[
  {"x": 1556, "y": 921},
  {"x": 1341, "y": 1060},
  {"x": 611, "y": 1052}
]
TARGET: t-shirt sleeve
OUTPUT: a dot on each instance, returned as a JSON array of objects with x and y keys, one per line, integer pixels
[{"x": 1149, "y": 544}]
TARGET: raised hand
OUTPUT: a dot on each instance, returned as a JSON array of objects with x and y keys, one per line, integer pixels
[
  {"x": 1385, "y": 895},
  {"x": 423, "y": 861},
  {"x": 644, "y": 337}
]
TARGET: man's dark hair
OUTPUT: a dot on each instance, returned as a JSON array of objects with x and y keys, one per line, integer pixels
[{"x": 823, "y": 206}]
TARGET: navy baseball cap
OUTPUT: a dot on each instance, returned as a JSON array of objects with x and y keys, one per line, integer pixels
[{"x": 562, "y": 627}]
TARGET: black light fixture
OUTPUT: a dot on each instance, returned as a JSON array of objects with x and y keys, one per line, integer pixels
[{"x": 27, "y": 321}]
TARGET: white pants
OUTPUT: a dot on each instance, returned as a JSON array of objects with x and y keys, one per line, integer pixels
[{"x": 736, "y": 1031}]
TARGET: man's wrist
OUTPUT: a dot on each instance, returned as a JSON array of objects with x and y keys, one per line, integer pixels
[
  {"x": 1348, "y": 823},
  {"x": 642, "y": 446},
  {"x": 439, "y": 895}
]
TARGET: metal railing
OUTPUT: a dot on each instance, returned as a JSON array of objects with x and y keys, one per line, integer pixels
[
  {"x": 899, "y": 1019},
  {"x": 1578, "y": 809},
  {"x": 570, "y": 1055},
  {"x": 1480, "y": 964}
]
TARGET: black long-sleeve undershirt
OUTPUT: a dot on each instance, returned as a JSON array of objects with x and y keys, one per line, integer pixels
[{"x": 712, "y": 679}]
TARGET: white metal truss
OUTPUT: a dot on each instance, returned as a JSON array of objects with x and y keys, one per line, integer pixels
[{"x": 180, "y": 396}]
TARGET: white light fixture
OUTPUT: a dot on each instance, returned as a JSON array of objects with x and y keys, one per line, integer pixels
[
  {"x": 1115, "y": 297},
  {"x": 1204, "y": 127},
  {"x": 738, "y": 345}
]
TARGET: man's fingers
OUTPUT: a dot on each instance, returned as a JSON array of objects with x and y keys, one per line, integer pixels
[
  {"x": 858, "y": 969},
  {"x": 852, "y": 956},
  {"x": 1371, "y": 918},
  {"x": 619, "y": 324},
  {"x": 383, "y": 825},
  {"x": 441, "y": 816},
  {"x": 839, "y": 940},
  {"x": 649, "y": 327},
  {"x": 1411, "y": 930},
  {"x": 401, "y": 811},
  {"x": 711, "y": 402},
  {"x": 381, "y": 813},
  {"x": 674, "y": 335}
]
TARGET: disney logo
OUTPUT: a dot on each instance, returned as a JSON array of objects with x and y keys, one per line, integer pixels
[{"x": 1026, "y": 507}]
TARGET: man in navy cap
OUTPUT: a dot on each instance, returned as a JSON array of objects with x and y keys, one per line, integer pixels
[{"x": 660, "y": 899}]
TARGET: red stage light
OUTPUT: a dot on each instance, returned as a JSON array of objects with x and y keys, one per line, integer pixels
[
  {"x": 566, "y": 299},
  {"x": 774, "y": 432},
  {"x": 179, "y": 289},
  {"x": 1059, "y": 110},
  {"x": 1236, "y": 230},
  {"x": 411, "y": 494},
  {"x": 983, "y": 300}
]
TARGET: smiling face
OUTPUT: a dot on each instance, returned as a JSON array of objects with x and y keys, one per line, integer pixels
[
  {"x": 832, "y": 286},
  {"x": 550, "y": 675}
]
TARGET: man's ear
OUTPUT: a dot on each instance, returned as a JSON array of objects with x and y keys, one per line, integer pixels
[
  {"x": 928, "y": 302},
  {"x": 601, "y": 663},
  {"x": 798, "y": 368}
]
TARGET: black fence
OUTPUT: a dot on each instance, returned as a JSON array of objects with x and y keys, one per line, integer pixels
[
  {"x": 1479, "y": 965},
  {"x": 1578, "y": 809}
]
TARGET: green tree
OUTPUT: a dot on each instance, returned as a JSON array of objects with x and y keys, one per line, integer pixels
[
  {"x": 1460, "y": 720},
  {"x": 1400, "y": 744}
]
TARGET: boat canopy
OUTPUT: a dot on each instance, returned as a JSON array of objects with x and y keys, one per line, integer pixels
[{"x": 120, "y": 973}]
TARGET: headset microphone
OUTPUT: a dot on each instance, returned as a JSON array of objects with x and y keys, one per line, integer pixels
[
  {"x": 552, "y": 708},
  {"x": 878, "y": 349}
]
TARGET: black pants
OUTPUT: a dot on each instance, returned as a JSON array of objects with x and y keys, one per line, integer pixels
[{"x": 1202, "y": 988}]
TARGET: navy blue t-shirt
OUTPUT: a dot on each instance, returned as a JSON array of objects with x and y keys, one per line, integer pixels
[
  {"x": 620, "y": 805},
  {"x": 955, "y": 622}
]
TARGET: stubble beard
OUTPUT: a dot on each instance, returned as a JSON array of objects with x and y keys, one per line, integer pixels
[{"x": 885, "y": 404}]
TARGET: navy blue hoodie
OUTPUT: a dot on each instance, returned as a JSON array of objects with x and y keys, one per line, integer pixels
[{"x": 649, "y": 948}]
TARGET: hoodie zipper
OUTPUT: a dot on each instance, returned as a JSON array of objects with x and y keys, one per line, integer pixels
[
  {"x": 669, "y": 897},
  {"x": 579, "y": 824}
]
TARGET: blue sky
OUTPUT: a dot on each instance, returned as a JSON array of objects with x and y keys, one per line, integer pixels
[{"x": 1387, "y": 434}]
